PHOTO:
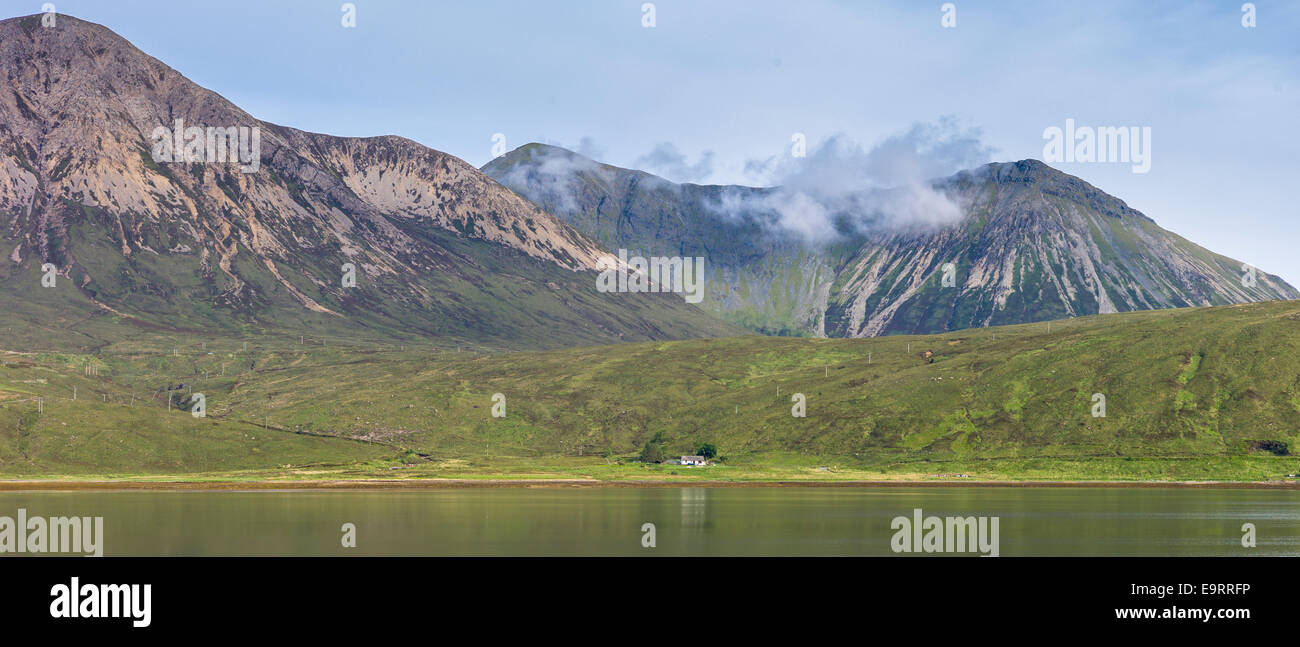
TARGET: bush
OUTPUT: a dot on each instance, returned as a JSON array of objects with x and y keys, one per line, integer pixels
[
  {"x": 707, "y": 450},
  {"x": 653, "y": 452},
  {"x": 1275, "y": 447}
]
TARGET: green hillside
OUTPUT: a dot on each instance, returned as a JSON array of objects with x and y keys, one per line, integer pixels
[{"x": 1210, "y": 393}]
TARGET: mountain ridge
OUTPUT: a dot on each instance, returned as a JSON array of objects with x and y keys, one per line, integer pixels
[
  {"x": 437, "y": 248},
  {"x": 1033, "y": 244}
]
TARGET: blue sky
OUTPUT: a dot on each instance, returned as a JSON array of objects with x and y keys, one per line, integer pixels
[{"x": 726, "y": 82}]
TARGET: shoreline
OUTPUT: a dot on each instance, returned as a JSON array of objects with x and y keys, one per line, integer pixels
[{"x": 451, "y": 484}]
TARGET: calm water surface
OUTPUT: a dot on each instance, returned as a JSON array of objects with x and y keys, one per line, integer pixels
[{"x": 688, "y": 521}]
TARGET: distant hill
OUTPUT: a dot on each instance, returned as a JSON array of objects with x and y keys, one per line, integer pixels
[{"x": 1034, "y": 244}]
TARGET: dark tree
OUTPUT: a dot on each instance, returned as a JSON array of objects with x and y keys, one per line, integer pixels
[{"x": 652, "y": 452}]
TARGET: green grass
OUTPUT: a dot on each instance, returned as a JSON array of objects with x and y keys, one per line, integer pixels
[{"x": 1189, "y": 393}]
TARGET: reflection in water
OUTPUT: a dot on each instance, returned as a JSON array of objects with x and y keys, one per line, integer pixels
[
  {"x": 694, "y": 507},
  {"x": 689, "y": 521}
]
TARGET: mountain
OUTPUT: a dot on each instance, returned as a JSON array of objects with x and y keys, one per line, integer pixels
[
  {"x": 260, "y": 242},
  {"x": 1033, "y": 244},
  {"x": 757, "y": 276}
]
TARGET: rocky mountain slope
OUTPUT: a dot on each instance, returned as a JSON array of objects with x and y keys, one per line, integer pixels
[
  {"x": 1034, "y": 244},
  {"x": 436, "y": 248}
]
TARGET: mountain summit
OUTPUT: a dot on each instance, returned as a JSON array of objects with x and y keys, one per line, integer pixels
[
  {"x": 1032, "y": 244},
  {"x": 255, "y": 225}
]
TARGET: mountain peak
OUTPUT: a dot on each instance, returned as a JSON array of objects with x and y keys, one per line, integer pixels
[
  {"x": 548, "y": 158},
  {"x": 430, "y": 246},
  {"x": 63, "y": 20},
  {"x": 1029, "y": 243},
  {"x": 1047, "y": 180},
  {"x": 538, "y": 148},
  {"x": 1026, "y": 170},
  {"x": 70, "y": 37}
]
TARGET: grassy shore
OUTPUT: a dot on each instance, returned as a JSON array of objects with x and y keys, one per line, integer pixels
[
  {"x": 1190, "y": 395},
  {"x": 505, "y": 471}
]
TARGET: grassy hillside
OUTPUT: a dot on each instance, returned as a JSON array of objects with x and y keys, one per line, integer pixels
[
  {"x": 1211, "y": 393},
  {"x": 485, "y": 295}
]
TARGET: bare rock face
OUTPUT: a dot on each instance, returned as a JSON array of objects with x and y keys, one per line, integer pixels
[
  {"x": 437, "y": 247},
  {"x": 1032, "y": 244},
  {"x": 1035, "y": 244}
]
